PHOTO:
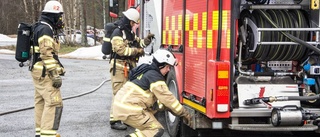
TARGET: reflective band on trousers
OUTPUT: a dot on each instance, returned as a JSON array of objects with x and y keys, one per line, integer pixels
[
  {"x": 120, "y": 65},
  {"x": 48, "y": 133},
  {"x": 136, "y": 134},
  {"x": 38, "y": 131}
]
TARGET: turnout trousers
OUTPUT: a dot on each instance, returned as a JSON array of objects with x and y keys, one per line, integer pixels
[
  {"x": 117, "y": 81},
  {"x": 119, "y": 78},
  {"x": 146, "y": 125},
  {"x": 48, "y": 104}
]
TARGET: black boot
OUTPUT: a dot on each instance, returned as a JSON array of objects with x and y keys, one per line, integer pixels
[{"x": 118, "y": 125}]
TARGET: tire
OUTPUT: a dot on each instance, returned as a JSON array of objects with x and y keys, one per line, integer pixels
[
  {"x": 172, "y": 121},
  {"x": 186, "y": 131},
  {"x": 175, "y": 125}
]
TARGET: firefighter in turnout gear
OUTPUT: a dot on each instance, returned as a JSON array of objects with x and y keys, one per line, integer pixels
[
  {"x": 127, "y": 48},
  {"x": 46, "y": 70},
  {"x": 138, "y": 100}
]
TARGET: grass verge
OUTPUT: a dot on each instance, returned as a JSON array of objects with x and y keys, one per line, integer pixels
[
  {"x": 11, "y": 47},
  {"x": 64, "y": 49}
]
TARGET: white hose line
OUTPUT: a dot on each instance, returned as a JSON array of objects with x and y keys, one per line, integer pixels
[{"x": 66, "y": 98}]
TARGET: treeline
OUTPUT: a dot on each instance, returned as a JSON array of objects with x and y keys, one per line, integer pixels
[{"x": 78, "y": 14}]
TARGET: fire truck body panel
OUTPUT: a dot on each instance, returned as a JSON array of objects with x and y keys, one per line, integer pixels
[
  {"x": 195, "y": 49},
  {"x": 237, "y": 70},
  {"x": 200, "y": 48}
]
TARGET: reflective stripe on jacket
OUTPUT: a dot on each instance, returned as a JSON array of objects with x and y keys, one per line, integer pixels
[
  {"x": 48, "y": 47},
  {"x": 120, "y": 40}
]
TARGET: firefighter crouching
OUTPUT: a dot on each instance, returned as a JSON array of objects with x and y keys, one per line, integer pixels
[
  {"x": 46, "y": 71},
  {"x": 133, "y": 104},
  {"x": 127, "y": 48}
]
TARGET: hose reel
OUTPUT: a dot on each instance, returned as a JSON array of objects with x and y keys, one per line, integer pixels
[{"x": 273, "y": 52}]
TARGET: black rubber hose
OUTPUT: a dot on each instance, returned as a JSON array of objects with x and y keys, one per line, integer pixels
[
  {"x": 293, "y": 38},
  {"x": 66, "y": 98},
  {"x": 304, "y": 98},
  {"x": 219, "y": 31},
  {"x": 283, "y": 98},
  {"x": 275, "y": 50},
  {"x": 264, "y": 73}
]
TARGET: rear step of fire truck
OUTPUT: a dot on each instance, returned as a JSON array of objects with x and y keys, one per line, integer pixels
[
  {"x": 278, "y": 116},
  {"x": 269, "y": 127},
  {"x": 264, "y": 112},
  {"x": 276, "y": 94}
]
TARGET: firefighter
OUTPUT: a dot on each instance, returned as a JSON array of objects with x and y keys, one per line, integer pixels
[
  {"x": 137, "y": 101},
  {"x": 127, "y": 48},
  {"x": 46, "y": 71}
]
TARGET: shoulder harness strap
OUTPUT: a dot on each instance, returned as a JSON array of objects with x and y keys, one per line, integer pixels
[{"x": 47, "y": 24}]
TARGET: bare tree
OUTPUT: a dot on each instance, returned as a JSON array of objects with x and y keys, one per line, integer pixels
[
  {"x": 25, "y": 6},
  {"x": 36, "y": 9},
  {"x": 83, "y": 23},
  {"x": 66, "y": 9},
  {"x": 77, "y": 14},
  {"x": 75, "y": 22}
]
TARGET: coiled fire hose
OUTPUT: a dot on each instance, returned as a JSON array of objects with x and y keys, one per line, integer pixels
[
  {"x": 66, "y": 98},
  {"x": 278, "y": 19},
  {"x": 291, "y": 37}
]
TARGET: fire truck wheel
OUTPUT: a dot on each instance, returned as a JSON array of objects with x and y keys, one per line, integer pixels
[
  {"x": 172, "y": 121},
  {"x": 186, "y": 131},
  {"x": 175, "y": 125}
]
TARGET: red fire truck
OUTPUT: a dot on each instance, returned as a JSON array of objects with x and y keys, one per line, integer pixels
[{"x": 249, "y": 65}]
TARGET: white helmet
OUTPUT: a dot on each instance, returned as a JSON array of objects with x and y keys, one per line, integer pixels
[
  {"x": 132, "y": 14},
  {"x": 165, "y": 56},
  {"x": 53, "y": 6}
]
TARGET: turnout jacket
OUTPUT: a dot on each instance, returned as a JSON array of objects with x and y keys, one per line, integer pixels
[
  {"x": 125, "y": 43},
  {"x": 125, "y": 46},
  {"x": 46, "y": 47},
  {"x": 142, "y": 93}
]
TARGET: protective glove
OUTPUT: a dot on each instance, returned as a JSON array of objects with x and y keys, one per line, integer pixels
[
  {"x": 56, "y": 79},
  {"x": 147, "y": 40},
  {"x": 140, "y": 52},
  {"x": 187, "y": 120}
]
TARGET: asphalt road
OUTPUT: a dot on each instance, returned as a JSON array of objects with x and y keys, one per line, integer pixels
[{"x": 84, "y": 116}]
